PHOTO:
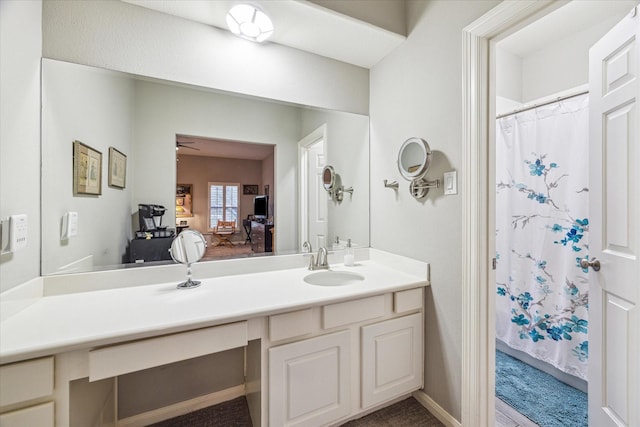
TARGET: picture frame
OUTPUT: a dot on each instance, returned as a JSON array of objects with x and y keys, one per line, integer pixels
[
  {"x": 117, "y": 168},
  {"x": 250, "y": 189},
  {"x": 87, "y": 169},
  {"x": 184, "y": 201}
]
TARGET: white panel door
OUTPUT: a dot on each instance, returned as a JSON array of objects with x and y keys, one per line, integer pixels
[
  {"x": 317, "y": 196},
  {"x": 391, "y": 359},
  {"x": 614, "y": 295},
  {"x": 312, "y": 216},
  {"x": 309, "y": 381}
]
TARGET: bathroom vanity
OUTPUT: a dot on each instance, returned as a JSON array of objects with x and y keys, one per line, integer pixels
[{"x": 312, "y": 354}]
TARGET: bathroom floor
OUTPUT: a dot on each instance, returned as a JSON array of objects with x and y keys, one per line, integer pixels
[
  {"x": 506, "y": 416},
  {"x": 235, "y": 413}
]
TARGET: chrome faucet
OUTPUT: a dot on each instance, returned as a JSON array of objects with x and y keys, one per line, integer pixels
[
  {"x": 321, "y": 262},
  {"x": 307, "y": 245}
]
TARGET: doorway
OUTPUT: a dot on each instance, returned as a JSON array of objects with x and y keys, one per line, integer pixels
[
  {"x": 313, "y": 200},
  {"x": 224, "y": 179},
  {"x": 479, "y": 43}
]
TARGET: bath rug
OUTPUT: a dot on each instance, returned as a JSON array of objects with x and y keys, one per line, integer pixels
[{"x": 539, "y": 396}]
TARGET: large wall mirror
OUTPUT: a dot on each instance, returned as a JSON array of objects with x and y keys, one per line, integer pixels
[{"x": 144, "y": 119}]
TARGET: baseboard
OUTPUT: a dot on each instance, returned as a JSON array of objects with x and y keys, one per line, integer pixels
[
  {"x": 443, "y": 416},
  {"x": 182, "y": 408}
]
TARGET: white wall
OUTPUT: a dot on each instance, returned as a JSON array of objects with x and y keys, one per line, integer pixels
[
  {"x": 347, "y": 150},
  {"x": 509, "y": 71},
  {"x": 20, "y": 51},
  {"x": 557, "y": 67},
  {"x": 416, "y": 91},
  {"x": 124, "y": 37},
  {"x": 95, "y": 107}
]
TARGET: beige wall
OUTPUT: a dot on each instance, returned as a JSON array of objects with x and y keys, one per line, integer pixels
[
  {"x": 417, "y": 91},
  {"x": 199, "y": 171}
]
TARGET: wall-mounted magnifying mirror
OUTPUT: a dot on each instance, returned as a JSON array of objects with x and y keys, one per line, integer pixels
[
  {"x": 328, "y": 178},
  {"x": 188, "y": 247},
  {"x": 414, "y": 160},
  {"x": 332, "y": 183}
]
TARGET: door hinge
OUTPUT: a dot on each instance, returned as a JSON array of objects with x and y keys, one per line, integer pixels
[{"x": 494, "y": 263}]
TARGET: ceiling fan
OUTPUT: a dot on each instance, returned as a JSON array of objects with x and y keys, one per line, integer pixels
[{"x": 184, "y": 145}]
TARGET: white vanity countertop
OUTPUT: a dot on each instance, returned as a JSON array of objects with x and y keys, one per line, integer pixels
[{"x": 60, "y": 323}]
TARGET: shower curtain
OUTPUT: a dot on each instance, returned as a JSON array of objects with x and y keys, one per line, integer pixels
[{"x": 542, "y": 233}]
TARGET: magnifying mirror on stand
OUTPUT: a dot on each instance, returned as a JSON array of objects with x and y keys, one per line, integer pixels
[{"x": 188, "y": 247}]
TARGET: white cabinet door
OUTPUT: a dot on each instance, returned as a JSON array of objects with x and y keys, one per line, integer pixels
[
  {"x": 391, "y": 359},
  {"x": 614, "y": 193},
  {"x": 309, "y": 381}
]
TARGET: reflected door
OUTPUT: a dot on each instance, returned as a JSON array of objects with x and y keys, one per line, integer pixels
[{"x": 313, "y": 197}]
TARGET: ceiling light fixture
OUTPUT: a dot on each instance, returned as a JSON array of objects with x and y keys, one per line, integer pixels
[{"x": 249, "y": 22}]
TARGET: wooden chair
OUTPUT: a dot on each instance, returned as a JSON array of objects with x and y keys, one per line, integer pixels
[{"x": 223, "y": 232}]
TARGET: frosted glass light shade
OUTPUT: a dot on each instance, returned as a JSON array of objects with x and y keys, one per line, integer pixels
[{"x": 249, "y": 22}]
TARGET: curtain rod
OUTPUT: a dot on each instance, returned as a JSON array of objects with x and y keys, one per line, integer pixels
[{"x": 532, "y": 106}]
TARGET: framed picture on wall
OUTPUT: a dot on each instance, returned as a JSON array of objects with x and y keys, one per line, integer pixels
[
  {"x": 250, "y": 189},
  {"x": 87, "y": 169},
  {"x": 117, "y": 168}
]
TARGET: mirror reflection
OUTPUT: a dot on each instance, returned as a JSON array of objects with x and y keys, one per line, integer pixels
[
  {"x": 188, "y": 247},
  {"x": 189, "y": 149},
  {"x": 328, "y": 178}
]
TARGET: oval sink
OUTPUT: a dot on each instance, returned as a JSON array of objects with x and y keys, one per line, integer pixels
[{"x": 333, "y": 278}]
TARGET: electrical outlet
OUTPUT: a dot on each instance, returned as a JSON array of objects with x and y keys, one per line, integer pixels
[{"x": 18, "y": 228}]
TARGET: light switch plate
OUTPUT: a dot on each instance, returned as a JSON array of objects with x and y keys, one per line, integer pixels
[
  {"x": 69, "y": 225},
  {"x": 17, "y": 232},
  {"x": 451, "y": 182}
]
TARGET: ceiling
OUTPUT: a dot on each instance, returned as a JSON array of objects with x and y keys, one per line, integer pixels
[
  {"x": 207, "y": 147},
  {"x": 569, "y": 19},
  {"x": 303, "y": 25}
]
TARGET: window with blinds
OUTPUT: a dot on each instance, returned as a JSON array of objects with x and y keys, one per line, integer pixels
[{"x": 224, "y": 203}]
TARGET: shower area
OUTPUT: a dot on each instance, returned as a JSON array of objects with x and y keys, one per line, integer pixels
[
  {"x": 542, "y": 215},
  {"x": 542, "y": 233}
]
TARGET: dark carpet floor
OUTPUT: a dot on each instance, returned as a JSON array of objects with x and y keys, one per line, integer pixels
[
  {"x": 235, "y": 413},
  {"x": 406, "y": 413}
]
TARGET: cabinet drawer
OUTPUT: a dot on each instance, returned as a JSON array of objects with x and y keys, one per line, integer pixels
[
  {"x": 24, "y": 381},
  {"x": 288, "y": 325},
  {"x": 40, "y": 415},
  {"x": 348, "y": 312},
  {"x": 404, "y": 301},
  {"x": 121, "y": 359}
]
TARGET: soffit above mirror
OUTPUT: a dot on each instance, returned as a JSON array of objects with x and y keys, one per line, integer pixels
[{"x": 359, "y": 39}]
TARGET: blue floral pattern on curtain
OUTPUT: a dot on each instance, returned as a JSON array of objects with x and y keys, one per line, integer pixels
[{"x": 542, "y": 231}]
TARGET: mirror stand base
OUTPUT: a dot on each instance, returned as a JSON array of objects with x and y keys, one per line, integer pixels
[{"x": 189, "y": 284}]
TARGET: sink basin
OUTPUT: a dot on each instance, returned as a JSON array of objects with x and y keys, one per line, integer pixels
[{"x": 333, "y": 278}]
